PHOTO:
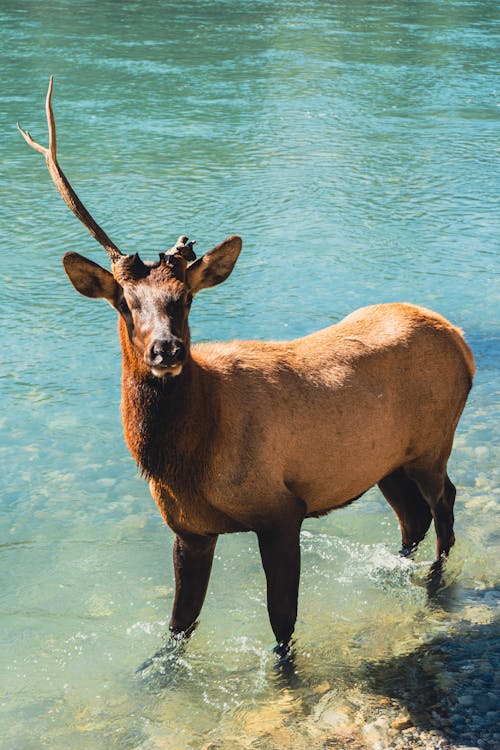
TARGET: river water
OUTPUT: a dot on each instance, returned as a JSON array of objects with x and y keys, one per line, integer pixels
[{"x": 353, "y": 145}]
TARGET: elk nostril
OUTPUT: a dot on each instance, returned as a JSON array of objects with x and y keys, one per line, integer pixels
[
  {"x": 166, "y": 352},
  {"x": 179, "y": 352}
]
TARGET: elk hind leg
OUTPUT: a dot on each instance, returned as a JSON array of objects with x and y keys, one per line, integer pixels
[
  {"x": 439, "y": 492},
  {"x": 411, "y": 508}
]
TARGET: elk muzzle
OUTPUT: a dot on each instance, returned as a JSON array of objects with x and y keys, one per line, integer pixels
[{"x": 166, "y": 357}]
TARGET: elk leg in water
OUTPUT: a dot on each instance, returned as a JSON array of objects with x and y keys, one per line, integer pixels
[
  {"x": 280, "y": 552},
  {"x": 193, "y": 556},
  {"x": 439, "y": 493},
  {"x": 411, "y": 508},
  {"x": 444, "y": 518}
]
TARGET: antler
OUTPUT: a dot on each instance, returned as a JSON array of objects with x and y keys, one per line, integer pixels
[
  {"x": 183, "y": 247},
  {"x": 67, "y": 193}
]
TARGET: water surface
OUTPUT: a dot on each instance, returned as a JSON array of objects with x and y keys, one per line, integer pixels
[{"x": 353, "y": 145}]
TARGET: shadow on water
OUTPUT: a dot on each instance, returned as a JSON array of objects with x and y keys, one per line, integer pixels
[
  {"x": 441, "y": 583},
  {"x": 285, "y": 675},
  {"x": 450, "y": 684},
  {"x": 167, "y": 668},
  {"x": 170, "y": 667},
  {"x": 444, "y": 691},
  {"x": 440, "y": 580}
]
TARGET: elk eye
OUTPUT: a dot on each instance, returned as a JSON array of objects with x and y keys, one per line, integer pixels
[{"x": 123, "y": 306}]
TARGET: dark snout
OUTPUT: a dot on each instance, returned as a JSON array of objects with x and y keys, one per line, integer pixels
[{"x": 165, "y": 356}]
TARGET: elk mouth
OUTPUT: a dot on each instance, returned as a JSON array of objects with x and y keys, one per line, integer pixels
[{"x": 167, "y": 371}]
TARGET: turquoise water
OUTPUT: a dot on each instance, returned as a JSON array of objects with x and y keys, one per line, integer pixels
[{"x": 353, "y": 145}]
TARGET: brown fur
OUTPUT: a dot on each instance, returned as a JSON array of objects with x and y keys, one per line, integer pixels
[{"x": 249, "y": 426}]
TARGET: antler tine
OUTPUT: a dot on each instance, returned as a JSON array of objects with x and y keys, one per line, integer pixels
[
  {"x": 60, "y": 181},
  {"x": 50, "y": 120}
]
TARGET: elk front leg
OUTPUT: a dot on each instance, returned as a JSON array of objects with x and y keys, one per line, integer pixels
[
  {"x": 280, "y": 552},
  {"x": 193, "y": 556}
]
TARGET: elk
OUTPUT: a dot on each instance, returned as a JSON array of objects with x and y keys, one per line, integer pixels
[{"x": 257, "y": 436}]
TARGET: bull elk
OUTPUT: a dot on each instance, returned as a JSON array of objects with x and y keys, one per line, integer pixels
[{"x": 256, "y": 436}]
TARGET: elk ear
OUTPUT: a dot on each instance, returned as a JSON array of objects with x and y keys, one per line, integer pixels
[
  {"x": 215, "y": 266},
  {"x": 90, "y": 279}
]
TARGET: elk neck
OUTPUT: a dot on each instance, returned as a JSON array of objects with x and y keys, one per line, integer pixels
[{"x": 168, "y": 422}]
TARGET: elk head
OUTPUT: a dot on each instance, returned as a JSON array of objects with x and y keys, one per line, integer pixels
[{"x": 152, "y": 298}]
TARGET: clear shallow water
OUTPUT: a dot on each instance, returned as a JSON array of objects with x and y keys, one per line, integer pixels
[{"x": 354, "y": 147}]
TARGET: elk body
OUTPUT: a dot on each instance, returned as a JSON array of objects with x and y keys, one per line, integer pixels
[{"x": 256, "y": 436}]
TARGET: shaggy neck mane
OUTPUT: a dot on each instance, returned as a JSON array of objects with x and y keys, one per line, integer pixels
[{"x": 167, "y": 421}]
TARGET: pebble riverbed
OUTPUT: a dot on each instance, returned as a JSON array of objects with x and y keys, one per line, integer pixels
[{"x": 442, "y": 696}]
